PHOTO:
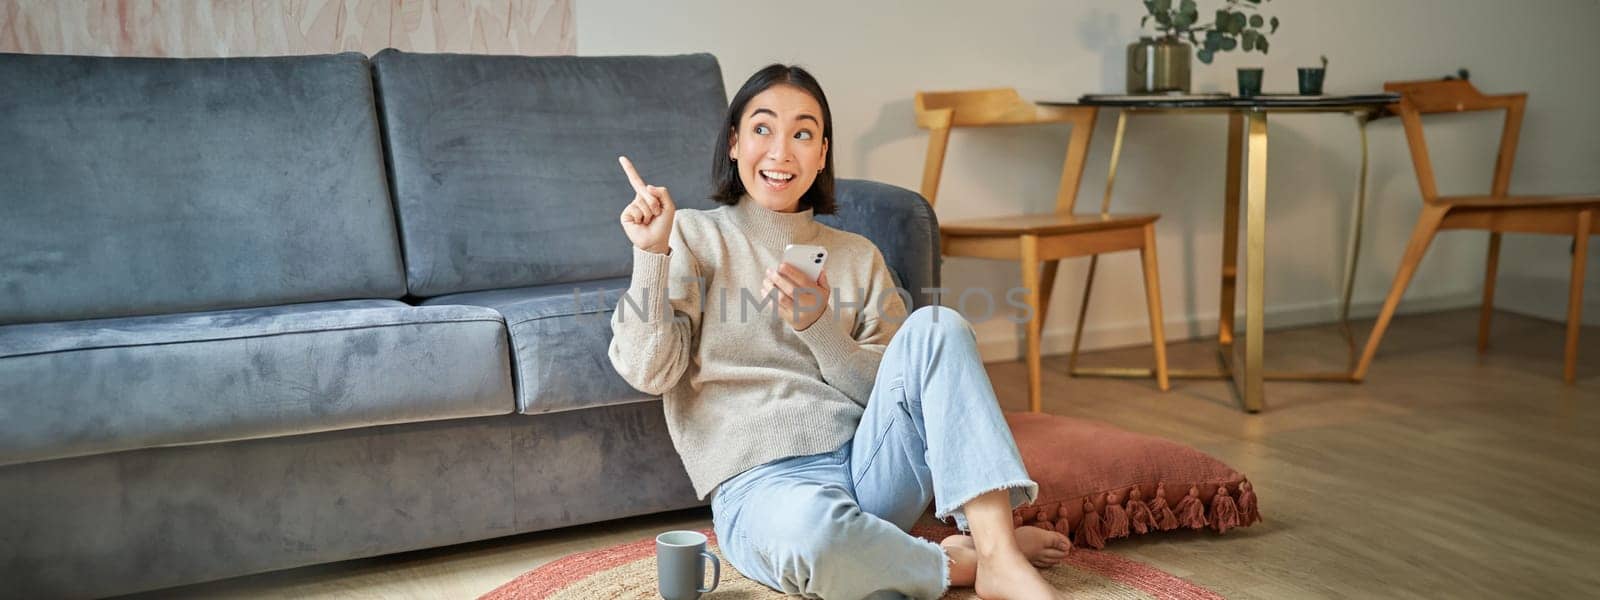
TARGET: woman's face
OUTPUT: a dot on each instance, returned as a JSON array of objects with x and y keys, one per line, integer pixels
[{"x": 778, "y": 147}]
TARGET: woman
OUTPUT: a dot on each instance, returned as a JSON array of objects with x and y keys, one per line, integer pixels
[{"x": 818, "y": 416}]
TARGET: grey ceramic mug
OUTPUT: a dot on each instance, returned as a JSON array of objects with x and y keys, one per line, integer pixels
[{"x": 681, "y": 558}]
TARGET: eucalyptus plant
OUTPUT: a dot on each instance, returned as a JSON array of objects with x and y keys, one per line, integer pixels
[{"x": 1238, "y": 24}]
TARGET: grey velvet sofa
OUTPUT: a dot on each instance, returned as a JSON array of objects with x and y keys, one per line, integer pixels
[{"x": 259, "y": 313}]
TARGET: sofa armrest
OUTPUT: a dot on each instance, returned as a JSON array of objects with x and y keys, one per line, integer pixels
[{"x": 901, "y": 223}]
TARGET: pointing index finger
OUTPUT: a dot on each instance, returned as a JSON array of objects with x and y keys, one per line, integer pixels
[{"x": 633, "y": 177}]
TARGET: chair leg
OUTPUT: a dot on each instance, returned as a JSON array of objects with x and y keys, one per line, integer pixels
[
  {"x": 1083, "y": 311},
  {"x": 1580, "y": 255},
  {"x": 1152, "y": 293},
  {"x": 1422, "y": 235},
  {"x": 1047, "y": 282},
  {"x": 1031, "y": 281},
  {"x": 1487, "y": 310}
]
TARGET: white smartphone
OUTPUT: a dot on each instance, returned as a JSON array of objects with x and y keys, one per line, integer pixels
[{"x": 807, "y": 258}]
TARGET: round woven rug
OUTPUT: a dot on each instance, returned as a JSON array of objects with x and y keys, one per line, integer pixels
[{"x": 629, "y": 571}]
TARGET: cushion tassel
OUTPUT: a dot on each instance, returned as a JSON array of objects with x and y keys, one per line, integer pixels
[
  {"x": 1224, "y": 513},
  {"x": 1165, "y": 520},
  {"x": 1089, "y": 533},
  {"x": 1116, "y": 518},
  {"x": 1042, "y": 519},
  {"x": 1063, "y": 524},
  {"x": 1022, "y": 515},
  {"x": 1248, "y": 512},
  {"x": 1139, "y": 517},
  {"x": 1191, "y": 511}
]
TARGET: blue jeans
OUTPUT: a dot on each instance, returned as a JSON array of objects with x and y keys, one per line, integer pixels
[{"x": 835, "y": 525}]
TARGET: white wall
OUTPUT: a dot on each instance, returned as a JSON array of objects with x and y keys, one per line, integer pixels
[{"x": 871, "y": 57}]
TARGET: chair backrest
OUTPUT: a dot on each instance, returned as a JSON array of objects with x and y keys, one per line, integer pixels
[
  {"x": 1418, "y": 98},
  {"x": 938, "y": 112}
]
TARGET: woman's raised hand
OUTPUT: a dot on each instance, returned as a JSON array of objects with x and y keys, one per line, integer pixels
[{"x": 648, "y": 219}]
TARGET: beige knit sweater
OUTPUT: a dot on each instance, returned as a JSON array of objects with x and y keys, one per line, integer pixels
[{"x": 741, "y": 388}]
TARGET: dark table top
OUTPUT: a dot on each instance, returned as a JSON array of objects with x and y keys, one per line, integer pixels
[{"x": 1266, "y": 102}]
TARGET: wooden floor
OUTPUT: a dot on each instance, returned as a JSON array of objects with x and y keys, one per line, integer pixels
[{"x": 1445, "y": 475}]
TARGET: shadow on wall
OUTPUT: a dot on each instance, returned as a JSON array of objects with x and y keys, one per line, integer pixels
[
  {"x": 896, "y": 121},
  {"x": 1101, "y": 33}
]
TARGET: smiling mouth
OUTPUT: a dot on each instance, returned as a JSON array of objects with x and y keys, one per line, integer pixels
[{"x": 776, "y": 180}]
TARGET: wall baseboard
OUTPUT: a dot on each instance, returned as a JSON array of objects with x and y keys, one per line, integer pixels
[
  {"x": 1545, "y": 298},
  {"x": 1058, "y": 340}
]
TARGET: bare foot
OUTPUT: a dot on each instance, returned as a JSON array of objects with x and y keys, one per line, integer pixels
[
  {"x": 1007, "y": 575},
  {"x": 1044, "y": 548},
  {"x": 1004, "y": 571},
  {"x": 963, "y": 560}
]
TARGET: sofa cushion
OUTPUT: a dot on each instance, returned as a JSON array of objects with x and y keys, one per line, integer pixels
[
  {"x": 138, "y": 186},
  {"x": 505, "y": 168},
  {"x": 559, "y": 337},
  {"x": 84, "y": 387}
]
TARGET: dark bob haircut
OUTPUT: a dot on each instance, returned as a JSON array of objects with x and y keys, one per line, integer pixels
[{"x": 725, "y": 183}]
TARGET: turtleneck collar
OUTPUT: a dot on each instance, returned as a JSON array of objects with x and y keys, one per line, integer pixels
[{"x": 773, "y": 228}]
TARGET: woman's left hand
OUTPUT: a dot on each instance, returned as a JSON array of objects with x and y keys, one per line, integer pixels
[{"x": 800, "y": 303}]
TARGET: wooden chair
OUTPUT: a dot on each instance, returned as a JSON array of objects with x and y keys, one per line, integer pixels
[
  {"x": 1499, "y": 212},
  {"x": 1037, "y": 241}
]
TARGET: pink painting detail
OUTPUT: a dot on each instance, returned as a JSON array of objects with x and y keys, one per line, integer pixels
[{"x": 202, "y": 28}]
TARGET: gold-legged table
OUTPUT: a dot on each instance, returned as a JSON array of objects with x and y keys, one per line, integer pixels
[{"x": 1247, "y": 122}]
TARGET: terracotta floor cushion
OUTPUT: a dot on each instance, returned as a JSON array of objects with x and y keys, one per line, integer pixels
[{"x": 1098, "y": 482}]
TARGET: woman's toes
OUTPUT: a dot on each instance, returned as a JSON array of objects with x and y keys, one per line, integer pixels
[{"x": 1048, "y": 558}]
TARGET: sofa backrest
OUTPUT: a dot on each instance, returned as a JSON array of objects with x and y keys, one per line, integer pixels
[
  {"x": 504, "y": 168},
  {"x": 133, "y": 186}
]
